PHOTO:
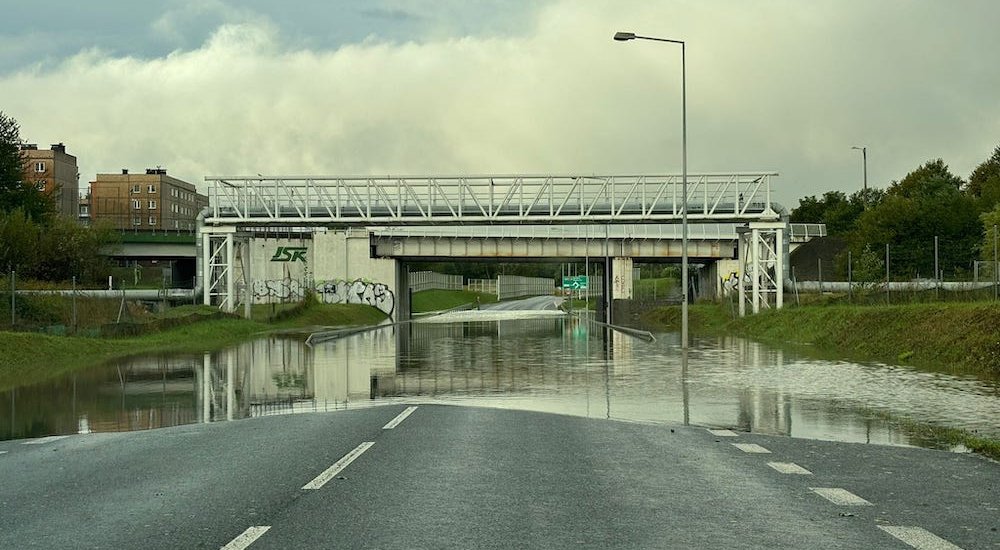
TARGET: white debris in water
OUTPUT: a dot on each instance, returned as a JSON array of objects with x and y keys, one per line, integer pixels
[{"x": 491, "y": 315}]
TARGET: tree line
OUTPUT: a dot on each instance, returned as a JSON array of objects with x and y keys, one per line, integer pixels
[
  {"x": 34, "y": 240},
  {"x": 928, "y": 202}
]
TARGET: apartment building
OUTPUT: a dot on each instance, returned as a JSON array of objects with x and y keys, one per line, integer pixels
[
  {"x": 54, "y": 172},
  {"x": 153, "y": 201}
]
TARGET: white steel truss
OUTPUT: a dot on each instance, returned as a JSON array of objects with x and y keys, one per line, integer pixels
[
  {"x": 218, "y": 261},
  {"x": 762, "y": 255},
  {"x": 421, "y": 200}
]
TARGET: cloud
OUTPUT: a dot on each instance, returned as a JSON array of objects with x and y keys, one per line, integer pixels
[{"x": 776, "y": 85}]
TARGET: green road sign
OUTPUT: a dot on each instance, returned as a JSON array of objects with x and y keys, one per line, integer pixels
[{"x": 575, "y": 283}]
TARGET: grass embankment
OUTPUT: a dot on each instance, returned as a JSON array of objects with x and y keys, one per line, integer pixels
[
  {"x": 953, "y": 337},
  {"x": 31, "y": 357},
  {"x": 439, "y": 300},
  {"x": 948, "y": 337}
]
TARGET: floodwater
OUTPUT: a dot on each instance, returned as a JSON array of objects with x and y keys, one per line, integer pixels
[{"x": 553, "y": 363}]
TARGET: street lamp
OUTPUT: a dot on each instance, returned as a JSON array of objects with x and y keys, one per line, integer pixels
[
  {"x": 864, "y": 160},
  {"x": 625, "y": 36}
]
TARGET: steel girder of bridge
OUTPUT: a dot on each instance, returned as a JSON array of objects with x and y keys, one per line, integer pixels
[{"x": 738, "y": 197}]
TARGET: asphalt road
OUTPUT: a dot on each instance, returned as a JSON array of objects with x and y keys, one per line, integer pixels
[
  {"x": 536, "y": 303},
  {"x": 455, "y": 477}
]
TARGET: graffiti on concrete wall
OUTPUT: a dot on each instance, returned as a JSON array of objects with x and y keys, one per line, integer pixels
[
  {"x": 358, "y": 291},
  {"x": 377, "y": 295},
  {"x": 278, "y": 289}
]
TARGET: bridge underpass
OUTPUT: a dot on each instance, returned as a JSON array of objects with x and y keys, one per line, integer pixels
[{"x": 264, "y": 237}]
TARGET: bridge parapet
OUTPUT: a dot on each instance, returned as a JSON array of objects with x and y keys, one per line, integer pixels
[{"x": 415, "y": 200}]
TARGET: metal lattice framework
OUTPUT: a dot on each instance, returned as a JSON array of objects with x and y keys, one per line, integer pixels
[
  {"x": 762, "y": 254},
  {"x": 422, "y": 200}
]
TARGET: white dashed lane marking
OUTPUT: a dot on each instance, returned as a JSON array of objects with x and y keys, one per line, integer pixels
[
  {"x": 840, "y": 497},
  {"x": 402, "y": 416},
  {"x": 722, "y": 433},
  {"x": 246, "y": 538},
  {"x": 339, "y": 465},
  {"x": 789, "y": 468},
  {"x": 921, "y": 539},
  {"x": 750, "y": 448},
  {"x": 3, "y": 452},
  {"x": 48, "y": 439}
]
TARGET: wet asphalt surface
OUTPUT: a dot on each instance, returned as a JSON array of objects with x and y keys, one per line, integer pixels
[{"x": 456, "y": 477}]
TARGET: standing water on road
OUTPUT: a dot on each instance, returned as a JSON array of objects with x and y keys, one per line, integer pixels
[{"x": 552, "y": 362}]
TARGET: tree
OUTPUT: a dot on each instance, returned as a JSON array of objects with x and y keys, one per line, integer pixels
[
  {"x": 984, "y": 183},
  {"x": 990, "y": 220},
  {"x": 925, "y": 204},
  {"x": 15, "y": 193},
  {"x": 933, "y": 179},
  {"x": 838, "y": 211}
]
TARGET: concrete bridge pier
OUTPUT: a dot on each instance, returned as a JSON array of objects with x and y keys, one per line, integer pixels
[
  {"x": 403, "y": 308},
  {"x": 617, "y": 285}
]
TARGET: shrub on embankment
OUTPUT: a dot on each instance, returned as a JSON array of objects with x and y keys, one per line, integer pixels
[
  {"x": 29, "y": 357},
  {"x": 958, "y": 337}
]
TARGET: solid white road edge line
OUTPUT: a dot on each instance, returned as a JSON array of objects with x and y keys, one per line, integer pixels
[
  {"x": 402, "y": 416},
  {"x": 919, "y": 538},
  {"x": 339, "y": 465},
  {"x": 789, "y": 468},
  {"x": 722, "y": 433},
  {"x": 750, "y": 448},
  {"x": 246, "y": 538},
  {"x": 48, "y": 439},
  {"x": 840, "y": 497}
]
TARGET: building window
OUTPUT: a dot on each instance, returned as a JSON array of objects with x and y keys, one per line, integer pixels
[
  {"x": 40, "y": 185},
  {"x": 39, "y": 167},
  {"x": 135, "y": 204},
  {"x": 152, "y": 188},
  {"x": 84, "y": 210},
  {"x": 135, "y": 188},
  {"x": 136, "y": 220},
  {"x": 152, "y": 205},
  {"x": 152, "y": 220},
  {"x": 177, "y": 224}
]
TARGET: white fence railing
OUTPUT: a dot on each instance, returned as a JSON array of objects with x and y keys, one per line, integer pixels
[
  {"x": 483, "y": 286},
  {"x": 516, "y": 286},
  {"x": 430, "y": 280}
]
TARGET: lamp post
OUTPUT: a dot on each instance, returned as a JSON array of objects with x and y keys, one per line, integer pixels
[
  {"x": 864, "y": 164},
  {"x": 625, "y": 36}
]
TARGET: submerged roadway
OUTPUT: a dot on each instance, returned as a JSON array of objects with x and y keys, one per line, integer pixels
[{"x": 433, "y": 476}]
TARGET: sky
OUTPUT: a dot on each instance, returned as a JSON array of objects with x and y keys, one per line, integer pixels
[{"x": 452, "y": 87}]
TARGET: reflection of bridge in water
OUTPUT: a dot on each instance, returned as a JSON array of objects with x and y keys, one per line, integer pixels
[{"x": 560, "y": 365}]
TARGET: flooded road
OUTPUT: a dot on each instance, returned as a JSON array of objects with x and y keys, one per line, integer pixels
[{"x": 551, "y": 363}]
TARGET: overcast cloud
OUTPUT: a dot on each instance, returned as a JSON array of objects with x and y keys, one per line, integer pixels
[{"x": 393, "y": 87}]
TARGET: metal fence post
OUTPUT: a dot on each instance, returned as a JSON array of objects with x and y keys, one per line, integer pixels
[
  {"x": 74, "y": 304},
  {"x": 937, "y": 273},
  {"x": 850, "y": 279},
  {"x": 887, "y": 299},
  {"x": 996, "y": 266},
  {"x": 13, "y": 301}
]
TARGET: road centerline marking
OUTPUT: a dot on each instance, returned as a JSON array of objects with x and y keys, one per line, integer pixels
[
  {"x": 919, "y": 538},
  {"x": 246, "y": 538},
  {"x": 750, "y": 448},
  {"x": 789, "y": 468},
  {"x": 319, "y": 481},
  {"x": 840, "y": 497},
  {"x": 723, "y": 433},
  {"x": 399, "y": 418}
]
